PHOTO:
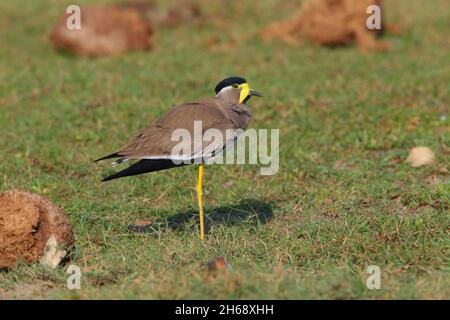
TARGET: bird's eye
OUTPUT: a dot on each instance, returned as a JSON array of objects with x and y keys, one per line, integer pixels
[{"x": 235, "y": 85}]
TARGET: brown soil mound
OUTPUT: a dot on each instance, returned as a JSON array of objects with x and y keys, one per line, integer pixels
[
  {"x": 26, "y": 223},
  {"x": 105, "y": 30},
  {"x": 185, "y": 12},
  {"x": 330, "y": 22}
]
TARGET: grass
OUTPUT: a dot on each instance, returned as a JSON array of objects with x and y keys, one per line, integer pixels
[{"x": 342, "y": 200}]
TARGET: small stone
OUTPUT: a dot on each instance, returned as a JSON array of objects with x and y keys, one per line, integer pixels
[
  {"x": 52, "y": 254},
  {"x": 420, "y": 156}
]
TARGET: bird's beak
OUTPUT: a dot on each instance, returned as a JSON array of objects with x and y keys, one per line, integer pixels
[
  {"x": 256, "y": 93},
  {"x": 247, "y": 92}
]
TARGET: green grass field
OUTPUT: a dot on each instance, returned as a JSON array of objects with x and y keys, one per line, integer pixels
[{"x": 343, "y": 199}]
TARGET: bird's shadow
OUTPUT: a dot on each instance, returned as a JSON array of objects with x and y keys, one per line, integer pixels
[{"x": 249, "y": 211}]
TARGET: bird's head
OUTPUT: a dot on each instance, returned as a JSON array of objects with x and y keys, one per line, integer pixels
[{"x": 236, "y": 87}]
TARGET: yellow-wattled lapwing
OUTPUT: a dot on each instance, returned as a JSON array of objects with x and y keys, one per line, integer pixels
[{"x": 153, "y": 146}]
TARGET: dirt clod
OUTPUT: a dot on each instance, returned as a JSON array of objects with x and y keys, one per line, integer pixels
[
  {"x": 185, "y": 12},
  {"x": 331, "y": 23},
  {"x": 218, "y": 264},
  {"x": 105, "y": 30},
  {"x": 182, "y": 14},
  {"x": 27, "y": 222}
]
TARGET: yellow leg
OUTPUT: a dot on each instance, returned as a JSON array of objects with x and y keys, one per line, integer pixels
[{"x": 200, "y": 201}]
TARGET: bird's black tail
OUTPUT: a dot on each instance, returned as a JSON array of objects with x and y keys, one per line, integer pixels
[
  {"x": 109, "y": 156},
  {"x": 144, "y": 166}
]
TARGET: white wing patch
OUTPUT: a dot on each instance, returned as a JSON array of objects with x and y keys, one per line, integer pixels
[{"x": 209, "y": 153}]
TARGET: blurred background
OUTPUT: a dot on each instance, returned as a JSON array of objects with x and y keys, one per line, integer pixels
[{"x": 344, "y": 196}]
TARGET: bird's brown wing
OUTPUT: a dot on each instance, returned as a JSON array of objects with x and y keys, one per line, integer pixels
[{"x": 156, "y": 141}]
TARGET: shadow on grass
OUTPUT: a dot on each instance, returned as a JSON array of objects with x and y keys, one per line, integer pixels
[{"x": 248, "y": 211}]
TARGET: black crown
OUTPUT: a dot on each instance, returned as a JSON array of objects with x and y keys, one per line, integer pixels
[{"x": 228, "y": 82}]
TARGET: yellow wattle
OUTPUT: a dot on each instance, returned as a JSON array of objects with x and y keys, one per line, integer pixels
[{"x": 245, "y": 91}]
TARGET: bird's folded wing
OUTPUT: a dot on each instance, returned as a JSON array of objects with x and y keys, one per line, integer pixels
[{"x": 157, "y": 140}]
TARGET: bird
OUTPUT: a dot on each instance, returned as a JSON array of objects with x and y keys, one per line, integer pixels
[{"x": 152, "y": 147}]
